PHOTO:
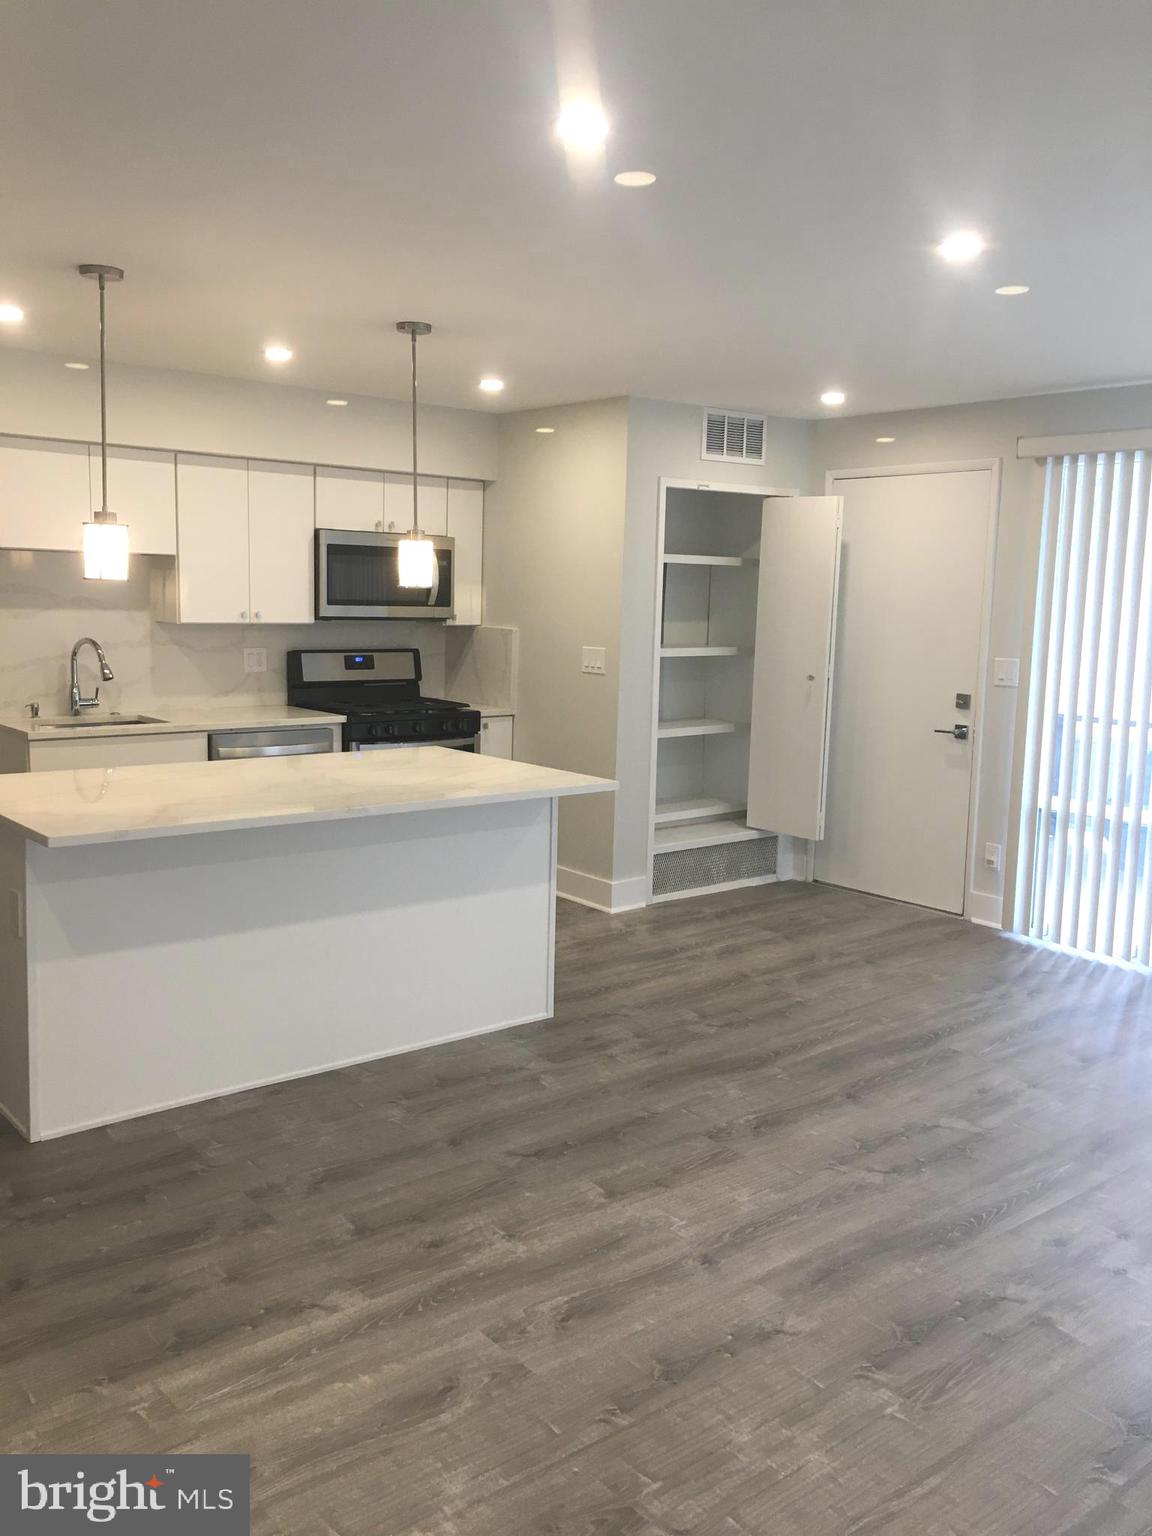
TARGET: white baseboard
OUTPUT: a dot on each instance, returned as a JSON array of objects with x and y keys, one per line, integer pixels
[
  {"x": 15, "y": 1120},
  {"x": 985, "y": 909},
  {"x": 605, "y": 895}
]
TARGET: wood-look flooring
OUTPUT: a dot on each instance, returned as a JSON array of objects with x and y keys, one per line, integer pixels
[{"x": 808, "y": 1214}]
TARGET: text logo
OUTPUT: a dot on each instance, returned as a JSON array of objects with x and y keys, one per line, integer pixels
[{"x": 63, "y": 1495}]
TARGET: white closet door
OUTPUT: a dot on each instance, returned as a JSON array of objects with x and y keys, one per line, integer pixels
[
  {"x": 792, "y": 677},
  {"x": 212, "y": 534},
  {"x": 281, "y": 522}
]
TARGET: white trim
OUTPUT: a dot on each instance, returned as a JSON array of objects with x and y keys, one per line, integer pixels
[
  {"x": 1131, "y": 439},
  {"x": 984, "y": 908},
  {"x": 15, "y": 1120},
  {"x": 712, "y": 890},
  {"x": 666, "y": 484},
  {"x": 612, "y": 896},
  {"x": 994, "y": 467}
]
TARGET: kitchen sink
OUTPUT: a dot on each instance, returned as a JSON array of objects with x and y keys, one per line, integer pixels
[{"x": 70, "y": 722}]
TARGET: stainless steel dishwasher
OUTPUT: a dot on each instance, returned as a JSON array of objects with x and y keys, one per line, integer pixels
[{"x": 292, "y": 742}]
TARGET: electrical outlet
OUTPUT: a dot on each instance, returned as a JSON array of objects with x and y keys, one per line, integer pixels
[
  {"x": 992, "y": 855},
  {"x": 255, "y": 658},
  {"x": 593, "y": 658}
]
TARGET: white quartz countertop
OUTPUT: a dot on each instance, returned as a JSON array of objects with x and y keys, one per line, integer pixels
[
  {"x": 169, "y": 719},
  {"x": 109, "y": 805}
]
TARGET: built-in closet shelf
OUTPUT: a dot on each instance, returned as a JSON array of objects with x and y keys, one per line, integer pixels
[
  {"x": 670, "y": 728},
  {"x": 704, "y": 834},
  {"x": 701, "y": 650},
  {"x": 709, "y": 560},
  {"x": 668, "y": 812}
]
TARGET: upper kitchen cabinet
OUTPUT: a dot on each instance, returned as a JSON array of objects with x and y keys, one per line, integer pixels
[
  {"x": 212, "y": 541},
  {"x": 281, "y": 526},
  {"x": 465, "y": 524},
  {"x": 431, "y": 504},
  {"x": 350, "y": 498},
  {"x": 244, "y": 543},
  {"x": 43, "y": 493},
  {"x": 141, "y": 492}
]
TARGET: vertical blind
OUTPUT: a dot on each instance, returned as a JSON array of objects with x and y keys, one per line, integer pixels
[{"x": 1085, "y": 871}]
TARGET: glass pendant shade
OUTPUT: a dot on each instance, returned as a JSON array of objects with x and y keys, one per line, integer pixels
[
  {"x": 417, "y": 561},
  {"x": 106, "y": 551}
]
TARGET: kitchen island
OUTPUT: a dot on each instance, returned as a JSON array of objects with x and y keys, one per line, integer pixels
[{"x": 181, "y": 931}]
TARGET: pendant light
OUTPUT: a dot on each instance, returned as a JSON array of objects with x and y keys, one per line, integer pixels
[
  {"x": 417, "y": 563},
  {"x": 105, "y": 540}
]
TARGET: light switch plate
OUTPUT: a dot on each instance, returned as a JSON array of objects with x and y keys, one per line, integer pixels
[
  {"x": 1006, "y": 672},
  {"x": 992, "y": 855},
  {"x": 593, "y": 658},
  {"x": 255, "y": 658}
]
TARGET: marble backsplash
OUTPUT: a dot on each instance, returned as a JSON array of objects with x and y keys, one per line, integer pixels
[{"x": 46, "y": 605}]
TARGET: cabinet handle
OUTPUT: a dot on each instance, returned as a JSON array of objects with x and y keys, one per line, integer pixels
[
  {"x": 257, "y": 614},
  {"x": 243, "y": 613}
]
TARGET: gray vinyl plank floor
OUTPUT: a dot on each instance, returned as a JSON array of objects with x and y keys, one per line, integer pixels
[{"x": 808, "y": 1213}]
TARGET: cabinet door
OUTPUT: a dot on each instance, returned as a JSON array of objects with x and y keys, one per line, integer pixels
[
  {"x": 466, "y": 526},
  {"x": 431, "y": 502},
  {"x": 212, "y": 539},
  {"x": 792, "y": 677},
  {"x": 117, "y": 751},
  {"x": 350, "y": 498},
  {"x": 141, "y": 492},
  {"x": 43, "y": 493},
  {"x": 281, "y": 530},
  {"x": 496, "y": 736}
]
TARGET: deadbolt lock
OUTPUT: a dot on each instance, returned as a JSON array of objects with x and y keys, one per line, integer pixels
[{"x": 963, "y": 701}]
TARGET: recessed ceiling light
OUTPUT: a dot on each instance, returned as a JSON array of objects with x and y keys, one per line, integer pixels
[
  {"x": 545, "y": 429},
  {"x": 885, "y": 439},
  {"x": 335, "y": 402},
  {"x": 833, "y": 397},
  {"x": 582, "y": 125},
  {"x": 277, "y": 353},
  {"x": 11, "y": 314},
  {"x": 1012, "y": 290},
  {"x": 961, "y": 245},
  {"x": 491, "y": 386},
  {"x": 83, "y": 367},
  {"x": 634, "y": 178}
]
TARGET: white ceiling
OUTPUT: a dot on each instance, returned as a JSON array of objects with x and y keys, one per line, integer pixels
[{"x": 312, "y": 170}]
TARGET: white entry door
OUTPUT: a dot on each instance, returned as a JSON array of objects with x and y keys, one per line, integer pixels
[{"x": 910, "y": 616}]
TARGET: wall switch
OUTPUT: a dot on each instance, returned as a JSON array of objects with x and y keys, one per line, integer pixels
[
  {"x": 992, "y": 855},
  {"x": 1006, "y": 671},
  {"x": 593, "y": 658},
  {"x": 255, "y": 658}
]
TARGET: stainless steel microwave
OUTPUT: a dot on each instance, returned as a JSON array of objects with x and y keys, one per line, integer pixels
[{"x": 358, "y": 577}]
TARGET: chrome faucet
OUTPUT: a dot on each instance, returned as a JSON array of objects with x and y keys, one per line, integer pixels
[{"x": 76, "y": 698}]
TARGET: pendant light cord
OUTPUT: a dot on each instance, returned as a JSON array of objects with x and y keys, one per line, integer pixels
[
  {"x": 415, "y": 482},
  {"x": 103, "y": 415}
]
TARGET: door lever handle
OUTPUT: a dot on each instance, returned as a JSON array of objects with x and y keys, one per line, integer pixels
[{"x": 959, "y": 731}]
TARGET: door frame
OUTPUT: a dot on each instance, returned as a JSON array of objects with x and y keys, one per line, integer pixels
[
  {"x": 667, "y": 484},
  {"x": 979, "y": 710}
]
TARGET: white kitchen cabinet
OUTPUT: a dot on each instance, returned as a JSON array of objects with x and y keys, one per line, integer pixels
[
  {"x": 43, "y": 493},
  {"x": 496, "y": 735},
  {"x": 465, "y": 512},
  {"x": 212, "y": 540},
  {"x": 281, "y": 526},
  {"x": 117, "y": 751},
  {"x": 431, "y": 503},
  {"x": 141, "y": 492},
  {"x": 349, "y": 498}
]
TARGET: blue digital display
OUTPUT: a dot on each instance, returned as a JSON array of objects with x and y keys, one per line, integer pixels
[{"x": 359, "y": 663}]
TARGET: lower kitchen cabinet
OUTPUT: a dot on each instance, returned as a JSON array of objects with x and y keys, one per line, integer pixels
[
  {"x": 118, "y": 751},
  {"x": 496, "y": 736}
]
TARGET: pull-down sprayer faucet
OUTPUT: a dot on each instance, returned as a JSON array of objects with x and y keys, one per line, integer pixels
[{"x": 77, "y": 699}]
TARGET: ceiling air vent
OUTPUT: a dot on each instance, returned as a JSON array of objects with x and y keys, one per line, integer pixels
[{"x": 733, "y": 438}]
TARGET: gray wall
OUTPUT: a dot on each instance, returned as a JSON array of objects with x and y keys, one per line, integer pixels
[
  {"x": 201, "y": 413},
  {"x": 664, "y": 442},
  {"x": 987, "y": 430},
  {"x": 553, "y": 542}
]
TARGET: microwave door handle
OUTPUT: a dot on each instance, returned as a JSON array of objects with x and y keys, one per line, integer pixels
[{"x": 434, "y": 590}]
